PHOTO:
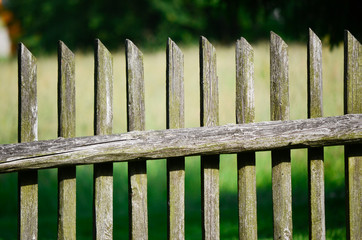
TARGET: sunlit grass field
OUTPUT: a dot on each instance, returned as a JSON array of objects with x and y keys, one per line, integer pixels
[{"x": 155, "y": 97}]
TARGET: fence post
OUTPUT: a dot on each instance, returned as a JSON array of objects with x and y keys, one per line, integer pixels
[
  {"x": 281, "y": 167},
  {"x": 209, "y": 116},
  {"x": 103, "y": 120},
  {"x": 137, "y": 171},
  {"x": 175, "y": 119},
  {"x": 27, "y": 132},
  {"x": 317, "y": 228},
  {"x": 245, "y": 113},
  {"x": 66, "y": 129},
  {"x": 353, "y": 153}
]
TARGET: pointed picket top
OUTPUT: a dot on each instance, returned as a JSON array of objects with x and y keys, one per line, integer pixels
[
  {"x": 245, "y": 107},
  {"x": 64, "y": 49},
  {"x": 133, "y": 51},
  {"x": 171, "y": 45},
  {"x": 24, "y": 52},
  {"x": 277, "y": 41},
  {"x": 315, "y": 86}
]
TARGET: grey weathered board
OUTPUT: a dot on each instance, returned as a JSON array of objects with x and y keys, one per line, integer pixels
[
  {"x": 281, "y": 166},
  {"x": 103, "y": 123},
  {"x": 27, "y": 132},
  {"x": 66, "y": 129},
  {"x": 353, "y": 154},
  {"x": 317, "y": 228},
  {"x": 245, "y": 113},
  {"x": 175, "y": 119},
  {"x": 209, "y": 116},
  {"x": 141, "y": 145},
  {"x": 137, "y": 170}
]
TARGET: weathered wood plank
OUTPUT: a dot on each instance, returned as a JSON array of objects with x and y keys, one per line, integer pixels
[
  {"x": 103, "y": 123},
  {"x": 315, "y": 82},
  {"x": 245, "y": 103},
  {"x": 209, "y": 116},
  {"x": 245, "y": 113},
  {"x": 137, "y": 171},
  {"x": 140, "y": 145},
  {"x": 353, "y": 154},
  {"x": 66, "y": 129},
  {"x": 27, "y": 132},
  {"x": 279, "y": 109},
  {"x": 317, "y": 228},
  {"x": 175, "y": 119}
]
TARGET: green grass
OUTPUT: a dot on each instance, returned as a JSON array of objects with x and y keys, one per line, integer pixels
[{"x": 154, "y": 63}]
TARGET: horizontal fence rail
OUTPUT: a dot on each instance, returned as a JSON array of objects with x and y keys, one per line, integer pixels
[{"x": 138, "y": 145}]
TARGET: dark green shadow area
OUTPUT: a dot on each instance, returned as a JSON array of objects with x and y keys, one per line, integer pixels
[{"x": 157, "y": 202}]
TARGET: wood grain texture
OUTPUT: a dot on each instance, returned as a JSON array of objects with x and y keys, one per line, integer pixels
[
  {"x": 245, "y": 103},
  {"x": 66, "y": 92},
  {"x": 209, "y": 116},
  {"x": 315, "y": 82},
  {"x": 353, "y": 154},
  {"x": 66, "y": 129},
  {"x": 317, "y": 227},
  {"x": 27, "y": 132},
  {"x": 103, "y": 123},
  {"x": 279, "y": 110},
  {"x": 137, "y": 171},
  {"x": 175, "y": 119},
  {"x": 245, "y": 113},
  {"x": 141, "y": 145}
]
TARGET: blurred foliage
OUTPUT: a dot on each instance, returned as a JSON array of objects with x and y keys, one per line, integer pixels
[{"x": 150, "y": 22}]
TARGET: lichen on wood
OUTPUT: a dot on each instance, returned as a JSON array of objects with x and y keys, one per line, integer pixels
[
  {"x": 281, "y": 166},
  {"x": 151, "y": 144},
  {"x": 353, "y": 154},
  {"x": 245, "y": 113},
  {"x": 209, "y": 116},
  {"x": 137, "y": 171},
  {"x": 66, "y": 128},
  {"x": 317, "y": 228},
  {"x": 175, "y": 119},
  {"x": 27, "y": 132},
  {"x": 103, "y": 121}
]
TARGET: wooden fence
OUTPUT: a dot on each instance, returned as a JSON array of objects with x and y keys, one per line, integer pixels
[{"x": 138, "y": 146}]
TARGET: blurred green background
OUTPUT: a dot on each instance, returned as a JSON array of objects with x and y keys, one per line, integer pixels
[
  {"x": 40, "y": 24},
  {"x": 149, "y": 22}
]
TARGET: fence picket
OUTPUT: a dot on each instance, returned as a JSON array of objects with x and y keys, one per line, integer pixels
[
  {"x": 209, "y": 116},
  {"x": 317, "y": 228},
  {"x": 353, "y": 153},
  {"x": 66, "y": 129},
  {"x": 245, "y": 113},
  {"x": 27, "y": 132},
  {"x": 103, "y": 120},
  {"x": 175, "y": 119},
  {"x": 281, "y": 167},
  {"x": 137, "y": 171}
]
